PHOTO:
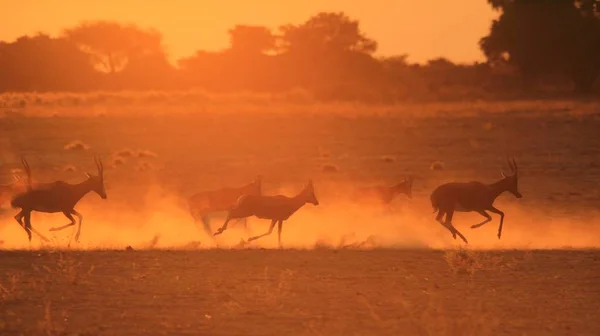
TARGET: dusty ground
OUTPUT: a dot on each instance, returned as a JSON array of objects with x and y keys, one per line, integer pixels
[
  {"x": 159, "y": 151},
  {"x": 292, "y": 292}
]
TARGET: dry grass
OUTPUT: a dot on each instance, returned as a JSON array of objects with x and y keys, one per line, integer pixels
[
  {"x": 69, "y": 168},
  {"x": 322, "y": 292},
  {"x": 437, "y": 165},
  {"x": 330, "y": 168},
  {"x": 124, "y": 153},
  {"x": 146, "y": 154},
  {"x": 76, "y": 146}
]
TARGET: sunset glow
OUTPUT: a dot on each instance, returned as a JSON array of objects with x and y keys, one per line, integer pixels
[
  {"x": 421, "y": 29},
  {"x": 300, "y": 167}
]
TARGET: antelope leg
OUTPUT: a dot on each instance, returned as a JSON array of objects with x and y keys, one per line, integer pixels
[
  {"x": 206, "y": 225},
  {"x": 29, "y": 228},
  {"x": 224, "y": 227},
  {"x": 19, "y": 219},
  {"x": 279, "y": 229},
  {"x": 58, "y": 228},
  {"x": 496, "y": 211},
  {"x": 80, "y": 217},
  {"x": 264, "y": 234},
  {"x": 447, "y": 227},
  {"x": 458, "y": 233},
  {"x": 488, "y": 219}
]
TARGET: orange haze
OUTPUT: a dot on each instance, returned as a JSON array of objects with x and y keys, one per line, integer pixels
[{"x": 421, "y": 29}]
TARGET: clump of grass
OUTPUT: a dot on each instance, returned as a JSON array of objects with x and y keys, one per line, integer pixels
[
  {"x": 346, "y": 242},
  {"x": 76, "y": 145},
  {"x": 9, "y": 289},
  {"x": 118, "y": 161},
  {"x": 143, "y": 153},
  {"x": 145, "y": 166},
  {"x": 463, "y": 261},
  {"x": 49, "y": 325},
  {"x": 437, "y": 165},
  {"x": 330, "y": 168},
  {"x": 69, "y": 168},
  {"x": 124, "y": 153}
]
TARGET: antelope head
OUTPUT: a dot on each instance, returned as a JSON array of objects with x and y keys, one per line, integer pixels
[
  {"x": 98, "y": 181},
  {"x": 511, "y": 181},
  {"x": 309, "y": 194}
]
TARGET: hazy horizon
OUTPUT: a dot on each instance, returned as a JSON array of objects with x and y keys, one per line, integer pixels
[{"x": 186, "y": 26}]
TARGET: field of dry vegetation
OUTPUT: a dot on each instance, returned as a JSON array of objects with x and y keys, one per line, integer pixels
[{"x": 345, "y": 268}]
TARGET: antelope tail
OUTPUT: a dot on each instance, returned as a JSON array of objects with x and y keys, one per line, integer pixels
[{"x": 16, "y": 202}]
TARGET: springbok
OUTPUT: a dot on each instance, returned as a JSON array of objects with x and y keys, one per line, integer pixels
[
  {"x": 277, "y": 208},
  {"x": 58, "y": 196},
  {"x": 384, "y": 194},
  {"x": 473, "y": 196},
  {"x": 206, "y": 202}
]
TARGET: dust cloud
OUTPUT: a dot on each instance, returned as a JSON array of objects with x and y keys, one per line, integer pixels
[{"x": 165, "y": 223}]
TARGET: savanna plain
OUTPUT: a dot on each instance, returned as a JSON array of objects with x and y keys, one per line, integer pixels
[{"x": 347, "y": 267}]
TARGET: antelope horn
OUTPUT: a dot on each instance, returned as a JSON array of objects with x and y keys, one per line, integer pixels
[
  {"x": 27, "y": 170},
  {"x": 99, "y": 164}
]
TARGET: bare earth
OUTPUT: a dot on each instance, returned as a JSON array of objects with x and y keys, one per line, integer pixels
[{"x": 293, "y": 292}]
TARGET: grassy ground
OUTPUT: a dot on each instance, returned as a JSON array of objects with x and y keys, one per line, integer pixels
[
  {"x": 320, "y": 292},
  {"x": 159, "y": 149}
]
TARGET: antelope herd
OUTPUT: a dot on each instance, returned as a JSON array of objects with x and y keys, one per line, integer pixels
[{"x": 246, "y": 201}]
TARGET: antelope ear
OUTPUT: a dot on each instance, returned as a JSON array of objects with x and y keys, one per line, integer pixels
[{"x": 17, "y": 177}]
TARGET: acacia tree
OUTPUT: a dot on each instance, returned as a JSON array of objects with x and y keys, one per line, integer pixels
[
  {"x": 251, "y": 40},
  {"x": 328, "y": 51},
  {"x": 43, "y": 63},
  {"x": 326, "y": 32},
  {"x": 111, "y": 46},
  {"x": 541, "y": 38}
]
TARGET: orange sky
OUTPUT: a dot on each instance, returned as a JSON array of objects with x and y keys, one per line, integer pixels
[{"x": 422, "y": 29}]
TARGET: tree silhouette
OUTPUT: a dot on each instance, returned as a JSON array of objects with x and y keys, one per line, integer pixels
[
  {"x": 326, "y": 32},
  {"x": 112, "y": 45},
  {"x": 328, "y": 52},
  {"x": 251, "y": 39},
  {"x": 42, "y": 63},
  {"x": 543, "y": 38}
]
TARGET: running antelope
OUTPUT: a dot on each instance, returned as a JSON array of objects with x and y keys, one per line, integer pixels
[
  {"x": 385, "y": 194},
  {"x": 277, "y": 208},
  {"x": 473, "y": 196},
  {"x": 55, "y": 197},
  {"x": 206, "y": 202}
]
